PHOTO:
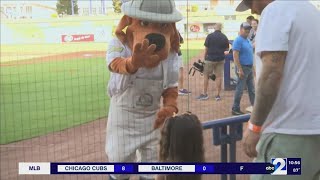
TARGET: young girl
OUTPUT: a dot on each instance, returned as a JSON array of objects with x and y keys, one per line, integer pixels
[{"x": 181, "y": 141}]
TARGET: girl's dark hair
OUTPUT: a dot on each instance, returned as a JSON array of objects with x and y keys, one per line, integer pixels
[
  {"x": 182, "y": 141},
  {"x": 250, "y": 17}
]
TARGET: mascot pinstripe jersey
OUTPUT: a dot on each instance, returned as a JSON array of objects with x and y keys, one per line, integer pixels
[{"x": 144, "y": 68}]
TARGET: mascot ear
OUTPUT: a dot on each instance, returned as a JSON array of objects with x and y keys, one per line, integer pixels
[
  {"x": 175, "y": 39},
  {"x": 124, "y": 22}
]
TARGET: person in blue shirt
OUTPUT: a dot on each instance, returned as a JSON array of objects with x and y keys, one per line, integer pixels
[{"x": 243, "y": 59}]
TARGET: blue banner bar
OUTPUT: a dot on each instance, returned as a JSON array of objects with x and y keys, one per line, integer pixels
[
  {"x": 294, "y": 166},
  {"x": 277, "y": 166},
  {"x": 162, "y": 168}
]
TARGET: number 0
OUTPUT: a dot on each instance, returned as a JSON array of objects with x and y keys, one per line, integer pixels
[
  {"x": 204, "y": 168},
  {"x": 123, "y": 168}
]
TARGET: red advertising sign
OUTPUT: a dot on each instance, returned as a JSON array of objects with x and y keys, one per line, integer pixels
[
  {"x": 194, "y": 28},
  {"x": 78, "y": 38}
]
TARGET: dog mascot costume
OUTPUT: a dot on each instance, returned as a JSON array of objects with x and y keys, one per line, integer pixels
[{"x": 144, "y": 68}]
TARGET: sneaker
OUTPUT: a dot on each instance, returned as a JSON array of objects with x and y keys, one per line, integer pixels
[
  {"x": 218, "y": 98},
  {"x": 237, "y": 113},
  {"x": 203, "y": 97},
  {"x": 183, "y": 92},
  {"x": 249, "y": 109}
]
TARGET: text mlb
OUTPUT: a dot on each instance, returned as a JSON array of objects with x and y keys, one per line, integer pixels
[{"x": 77, "y": 168}]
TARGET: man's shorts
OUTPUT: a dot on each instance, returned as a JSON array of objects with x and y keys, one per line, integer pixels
[
  {"x": 215, "y": 67},
  {"x": 306, "y": 147}
]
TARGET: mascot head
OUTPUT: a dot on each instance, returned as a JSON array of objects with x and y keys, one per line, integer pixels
[{"x": 153, "y": 20}]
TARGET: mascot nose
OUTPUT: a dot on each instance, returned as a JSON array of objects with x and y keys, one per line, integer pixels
[{"x": 157, "y": 39}]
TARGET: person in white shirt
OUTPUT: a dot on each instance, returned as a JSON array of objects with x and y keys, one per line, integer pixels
[{"x": 285, "y": 121}]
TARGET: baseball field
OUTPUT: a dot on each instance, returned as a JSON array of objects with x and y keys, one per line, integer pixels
[
  {"x": 54, "y": 108},
  {"x": 53, "y": 96},
  {"x": 51, "y": 87},
  {"x": 54, "y": 103}
]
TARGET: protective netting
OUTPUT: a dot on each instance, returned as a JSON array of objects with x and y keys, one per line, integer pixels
[{"x": 53, "y": 87}]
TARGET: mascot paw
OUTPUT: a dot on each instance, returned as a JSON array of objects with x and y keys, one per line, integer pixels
[
  {"x": 163, "y": 114},
  {"x": 143, "y": 55}
]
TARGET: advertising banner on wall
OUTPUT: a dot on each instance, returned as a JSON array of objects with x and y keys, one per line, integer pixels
[
  {"x": 77, "y": 38},
  {"x": 55, "y": 33},
  {"x": 195, "y": 28},
  {"x": 196, "y": 31}
]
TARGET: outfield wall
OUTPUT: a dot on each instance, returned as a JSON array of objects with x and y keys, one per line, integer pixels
[
  {"x": 86, "y": 31},
  {"x": 100, "y": 29}
]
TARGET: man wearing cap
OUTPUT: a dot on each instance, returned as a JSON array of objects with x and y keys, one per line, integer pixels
[
  {"x": 144, "y": 67},
  {"x": 285, "y": 122},
  {"x": 243, "y": 58}
]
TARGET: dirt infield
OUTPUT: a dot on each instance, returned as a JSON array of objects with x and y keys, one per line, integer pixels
[
  {"x": 56, "y": 57},
  {"x": 86, "y": 143}
]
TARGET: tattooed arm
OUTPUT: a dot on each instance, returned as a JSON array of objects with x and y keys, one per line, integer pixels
[
  {"x": 268, "y": 85},
  {"x": 266, "y": 94}
]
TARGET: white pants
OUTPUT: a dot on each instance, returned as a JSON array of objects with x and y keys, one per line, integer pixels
[{"x": 130, "y": 124}]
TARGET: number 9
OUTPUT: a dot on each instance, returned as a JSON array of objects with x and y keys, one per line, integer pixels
[
  {"x": 204, "y": 168},
  {"x": 123, "y": 168}
]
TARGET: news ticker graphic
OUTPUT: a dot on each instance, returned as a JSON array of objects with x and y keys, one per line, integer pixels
[{"x": 278, "y": 166}]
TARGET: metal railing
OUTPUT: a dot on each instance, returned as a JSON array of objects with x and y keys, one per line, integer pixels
[{"x": 227, "y": 131}]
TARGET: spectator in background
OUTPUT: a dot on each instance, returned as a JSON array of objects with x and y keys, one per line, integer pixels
[
  {"x": 216, "y": 47},
  {"x": 243, "y": 58},
  {"x": 252, "y": 38},
  {"x": 181, "y": 142},
  {"x": 182, "y": 90},
  {"x": 249, "y": 19},
  {"x": 253, "y": 31},
  {"x": 285, "y": 121}
]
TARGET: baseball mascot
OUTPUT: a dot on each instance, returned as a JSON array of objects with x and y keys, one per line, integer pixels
[{"x": 144, "y": 68}]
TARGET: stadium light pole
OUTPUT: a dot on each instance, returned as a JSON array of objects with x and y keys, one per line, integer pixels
[
  {"x": 72, "y": 7},
  {"x": 103, "y": 6},
  {"x": 90, "y": 7}
]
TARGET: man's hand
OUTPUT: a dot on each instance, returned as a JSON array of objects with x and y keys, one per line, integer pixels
[
  {"x": 143, "y": 55},
  {"x": 240, "y": 73},
  {"x": 236, "y": 60},
  {"x": 163, "y": 114},
  {"x": 250, "y": 141}
]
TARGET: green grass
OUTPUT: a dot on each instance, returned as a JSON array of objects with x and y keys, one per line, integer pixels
[
  {"x": 28, "y": 51},
  {"x": 191, "y": 49},
  {"x": 19, "y": 52},
  {"x": 54, "y": 48},
  {"x": 40, "y": 98},
  {"x": 37, "y": 99},
  {"x": 188, "y": 55},
  {"x": 193, "y": 44}
]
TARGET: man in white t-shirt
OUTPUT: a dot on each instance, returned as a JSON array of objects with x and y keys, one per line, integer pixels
[{"x": 286, "y": 117}]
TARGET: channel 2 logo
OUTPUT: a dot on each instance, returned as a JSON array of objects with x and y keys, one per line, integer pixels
[{"x": 280, "y": 166}]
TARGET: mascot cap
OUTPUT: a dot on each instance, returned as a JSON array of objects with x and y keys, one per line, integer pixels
[{"x": 152, "y": 10}]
